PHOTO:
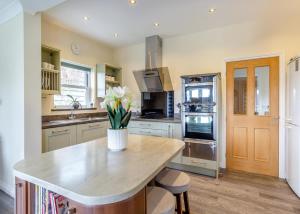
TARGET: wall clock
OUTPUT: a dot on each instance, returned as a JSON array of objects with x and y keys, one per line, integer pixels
[{"x": 75, "y": 48}]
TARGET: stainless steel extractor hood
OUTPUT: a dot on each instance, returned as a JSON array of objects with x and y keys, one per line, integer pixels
[{"x": 154, "y": 78}]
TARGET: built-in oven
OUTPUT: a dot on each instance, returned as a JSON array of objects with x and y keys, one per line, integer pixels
[{"x": 199, "y": 125}]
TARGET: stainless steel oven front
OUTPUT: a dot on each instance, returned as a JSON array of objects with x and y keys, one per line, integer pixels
[
  {"x": 200, "y": 149},
  {"x": 199, "y": 125}
]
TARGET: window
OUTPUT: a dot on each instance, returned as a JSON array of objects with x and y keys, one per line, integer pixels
[{"x": 75, "y": 81}]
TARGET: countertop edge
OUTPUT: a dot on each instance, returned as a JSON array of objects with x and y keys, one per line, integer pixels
[{"x": 47, "y": 125}]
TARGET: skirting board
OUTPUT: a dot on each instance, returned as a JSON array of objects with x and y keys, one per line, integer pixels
[{"x": 8, "y": 189}]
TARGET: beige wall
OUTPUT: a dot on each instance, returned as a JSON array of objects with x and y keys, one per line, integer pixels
[
  {"x": 20, "y": 94},
  {"x": 92, "y": 53},
  {"x": 206, "y": 52}
]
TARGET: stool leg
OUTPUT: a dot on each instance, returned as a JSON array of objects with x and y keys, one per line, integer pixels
[
  {"x": 186, "y": 203},
  {"x": 178, "y": 203}
]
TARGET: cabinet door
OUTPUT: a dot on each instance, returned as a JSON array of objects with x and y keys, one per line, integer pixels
[
  {"x": 177, "y": 131},
  {"x": 91, "y": 131},
  {"x": 57, "y": 138},
  {"x": 100, "y": 80},
  {"x": 177, "y": 134}
]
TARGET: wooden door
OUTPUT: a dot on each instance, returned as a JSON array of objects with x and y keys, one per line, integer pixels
[{"x": 253, "y": 115}]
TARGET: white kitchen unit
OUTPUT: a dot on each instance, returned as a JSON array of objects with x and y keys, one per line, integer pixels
[
  {"x": 158, "y": 129},
  {"x": 57, "y": 138},
  {"x": 91, "y": 131},
  {"x": 293, "y": 126}
]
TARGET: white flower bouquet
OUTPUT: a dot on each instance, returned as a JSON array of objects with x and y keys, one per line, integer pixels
[{"x": 118, "y": 103}]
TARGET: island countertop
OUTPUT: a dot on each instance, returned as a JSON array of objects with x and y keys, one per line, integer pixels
[{"x": 91, "y": 174}]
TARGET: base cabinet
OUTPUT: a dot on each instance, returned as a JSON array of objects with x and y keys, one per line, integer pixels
[
  {"x": 158, "y": 129},
  {"x": 57, "y": 138},
  {"x": 91, "y": 131}
]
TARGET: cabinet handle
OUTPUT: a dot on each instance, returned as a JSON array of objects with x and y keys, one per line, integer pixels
[
  {"x": 143, "y": 132},
  {"x": 72, "y": 211},
  {"x": 145, "y": 124},
  {"x": 95, "y": 126},
  {"x": 198, "y": 162},
  {"x": 60, "y": 132}
]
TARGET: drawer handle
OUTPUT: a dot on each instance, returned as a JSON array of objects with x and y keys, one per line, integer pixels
[
  {"x": 72, "y": 211},
  {"x": 198, "y": 162},
  {"x": 95, "y": 126},
  {"x": 145, "y": 124},
  {"x": 145, "y": 132},
  {"x": 60, "y": 132}
]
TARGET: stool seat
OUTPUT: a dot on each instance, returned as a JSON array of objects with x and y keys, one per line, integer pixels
[
  {"x": 160, "y": 201},
  {"x": 173, "y": 180}
]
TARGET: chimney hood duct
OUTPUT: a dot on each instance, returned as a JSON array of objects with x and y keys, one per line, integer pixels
[{"x": 154, "y": 78}]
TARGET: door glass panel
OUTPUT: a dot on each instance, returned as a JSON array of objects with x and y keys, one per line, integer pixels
[
  {"x": 240, "y": 91},
  {"x": 262, "y": 91}
]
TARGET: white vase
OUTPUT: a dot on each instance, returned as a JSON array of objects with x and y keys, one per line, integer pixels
[{"x": 117, "y": 139}]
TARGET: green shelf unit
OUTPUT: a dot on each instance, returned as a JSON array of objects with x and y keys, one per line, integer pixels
[
  {"x": 50, "y": 78},
  {"x": 103, "y": 83}
]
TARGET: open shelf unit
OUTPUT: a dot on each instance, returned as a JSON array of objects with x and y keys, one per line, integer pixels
[
  {"x": 107, "y": 76},
  {"x": 50, "y": 78}
]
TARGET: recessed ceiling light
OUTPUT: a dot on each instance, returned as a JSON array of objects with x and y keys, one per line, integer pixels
[
  {"x": 156, "y": 24},
  {"x": 86, "y": 18},
  {"x": 116, "y": 35},
  {"x": 212, "y": 10},
  {"x": 132, "y": 1}
]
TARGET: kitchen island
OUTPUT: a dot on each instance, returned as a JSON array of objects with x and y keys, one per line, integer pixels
[{"x": 94, "y": 179}]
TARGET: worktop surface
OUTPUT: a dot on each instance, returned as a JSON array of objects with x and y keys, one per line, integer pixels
[
  {"x": 91, "y": 174},
  {"x": 67, "y": 122}
]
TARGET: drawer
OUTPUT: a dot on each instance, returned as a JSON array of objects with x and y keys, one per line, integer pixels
[
  {"x": 199, "y": 163},
  {"x": 149, "y": 132},
  {"x": 149, "y": 125}
]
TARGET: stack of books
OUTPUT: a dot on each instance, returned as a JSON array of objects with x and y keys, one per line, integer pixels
[{"x": 47, "y": 202}]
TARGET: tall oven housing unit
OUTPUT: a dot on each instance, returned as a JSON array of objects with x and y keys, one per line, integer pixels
[{"x": 201, "y": 114}]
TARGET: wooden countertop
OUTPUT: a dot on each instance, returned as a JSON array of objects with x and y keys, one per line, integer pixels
[{"x": 92, "y": 175}]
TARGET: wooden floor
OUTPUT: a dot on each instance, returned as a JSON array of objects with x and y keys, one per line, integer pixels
[
  {"x": 233, "y": 193},
  {"x": 241, "y": 193},
  {"x": 6, "y": 204}
]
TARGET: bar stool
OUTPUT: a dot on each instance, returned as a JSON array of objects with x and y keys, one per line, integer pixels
[
  {"x": 178, "y": 183},
  {"x": 159, "y": 201}
]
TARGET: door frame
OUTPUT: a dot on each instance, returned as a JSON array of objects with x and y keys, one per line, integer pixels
[{"x": 282, "y": 89}]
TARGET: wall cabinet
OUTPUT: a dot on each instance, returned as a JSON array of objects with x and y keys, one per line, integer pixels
[
  {"x": 57, "y": 138},
  {"x": 91, "y": 131},
  {"x": 107, "y": 76},
  {"x": 50, "y": 77}
]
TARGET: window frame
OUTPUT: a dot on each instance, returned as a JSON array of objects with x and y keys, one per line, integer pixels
[{"x": 88, "y": 96}]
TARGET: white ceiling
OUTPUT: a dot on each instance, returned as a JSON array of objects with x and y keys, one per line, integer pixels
[
  {"x": 176, "y": 17},
  {"x": 33, "y": 6}
]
